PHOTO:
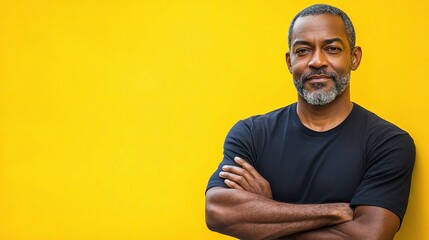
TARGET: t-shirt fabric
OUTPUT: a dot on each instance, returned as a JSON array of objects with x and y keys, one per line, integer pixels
[{"x": 365, "y": 160}]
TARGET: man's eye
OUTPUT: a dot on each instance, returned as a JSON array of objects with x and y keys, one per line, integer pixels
[
  {"x": 333, "y": 49},
  {"x": 302, "y": 51}
]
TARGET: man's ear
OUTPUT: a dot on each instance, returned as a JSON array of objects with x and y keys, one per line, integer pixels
[
  {"x": 289, "y": 65},
  {"x": 356, "y": 57}
]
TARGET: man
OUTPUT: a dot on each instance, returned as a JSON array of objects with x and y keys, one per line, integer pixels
[{"x": 321, "y": 168}]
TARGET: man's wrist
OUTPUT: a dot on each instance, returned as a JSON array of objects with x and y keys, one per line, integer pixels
[{"x": 341, "y": 212}]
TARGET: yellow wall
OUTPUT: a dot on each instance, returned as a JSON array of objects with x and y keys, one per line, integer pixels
[{"x": 113, "y": 113}]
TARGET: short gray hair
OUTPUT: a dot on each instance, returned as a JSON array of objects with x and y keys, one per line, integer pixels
[{"x": 319, "y": 9}]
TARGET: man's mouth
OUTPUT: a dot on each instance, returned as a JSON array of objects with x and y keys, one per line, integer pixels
[{"x": 318, "y": 78}]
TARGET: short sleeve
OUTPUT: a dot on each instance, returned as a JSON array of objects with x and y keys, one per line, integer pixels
[
  {"x": 387, "y": 177},
  {"x": 238, "y": 143}
]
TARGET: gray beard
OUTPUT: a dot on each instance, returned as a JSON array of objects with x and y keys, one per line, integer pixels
[{"x": 319, "y": 96}]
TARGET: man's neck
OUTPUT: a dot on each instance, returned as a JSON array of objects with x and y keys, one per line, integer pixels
[{"x": 325, "y": 117}]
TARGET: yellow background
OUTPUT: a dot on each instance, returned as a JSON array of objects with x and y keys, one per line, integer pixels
[{"x": 113, "y": 113}]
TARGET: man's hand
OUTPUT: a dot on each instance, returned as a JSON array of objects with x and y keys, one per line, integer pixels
[{"x": 245, "y": 178}]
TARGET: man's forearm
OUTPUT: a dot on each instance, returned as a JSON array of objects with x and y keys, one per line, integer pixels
[
  {"x": 250, "y": 216},
  {"x": 337, "y": 232},
  {"x": 370, "y": 223}
]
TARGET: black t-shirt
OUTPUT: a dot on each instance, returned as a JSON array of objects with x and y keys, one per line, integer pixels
[{"x": 365, "y": 160}]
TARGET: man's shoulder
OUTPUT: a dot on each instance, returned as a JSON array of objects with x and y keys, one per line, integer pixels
[
  {"x": 264, "y": 124},
  {"x": 377, "y": 124},
  {"x": 381, "y": 132},
  {"x": 272, "y": 116}
]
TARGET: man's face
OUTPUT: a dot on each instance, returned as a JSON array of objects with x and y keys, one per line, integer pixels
[{"x": 320, "y": 58}]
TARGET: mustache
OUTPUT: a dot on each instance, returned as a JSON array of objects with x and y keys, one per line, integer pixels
[{"x": 332, "y": 75}]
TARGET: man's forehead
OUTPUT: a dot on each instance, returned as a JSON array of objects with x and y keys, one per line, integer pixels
[{"x": 322, "y": 25}]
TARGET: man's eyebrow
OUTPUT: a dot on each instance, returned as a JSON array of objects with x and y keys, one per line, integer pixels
[
  {"x": 301, "y": 42},
  {"x": 332, "y": 40},
  {"x": 327, "y": 41}
]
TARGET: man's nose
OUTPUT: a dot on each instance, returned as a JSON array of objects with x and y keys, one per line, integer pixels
[{"x": 318, "y": 60}]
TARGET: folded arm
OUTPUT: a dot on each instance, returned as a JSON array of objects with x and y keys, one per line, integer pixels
[
  {"x": 369, "y": 222},
  {"x": 246, "y": 210},
  {"x": 246, "y": 215},
  {"x": 299, "y": 221}
]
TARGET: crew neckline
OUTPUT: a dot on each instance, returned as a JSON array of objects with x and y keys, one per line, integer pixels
[{"x": 312, "y": 133}]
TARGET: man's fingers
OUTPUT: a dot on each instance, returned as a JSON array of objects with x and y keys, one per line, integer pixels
[
  {"x": 245, "y": 177},
  {"x": 232, "y": 184},
  {"x": 249, "y": 168},
  {"x": 257, "y": 183},
  {"x": 234, "y": 169},
  {"x": 236, "y": 178}
]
